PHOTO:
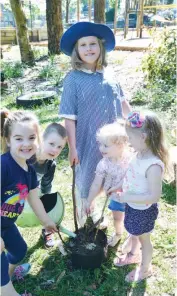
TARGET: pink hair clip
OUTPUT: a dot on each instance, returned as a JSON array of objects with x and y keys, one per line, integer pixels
[{"x": 135, "y": 119}]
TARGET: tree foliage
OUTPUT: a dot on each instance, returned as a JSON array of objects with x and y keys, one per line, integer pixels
[{"x": 160, "y": 64}]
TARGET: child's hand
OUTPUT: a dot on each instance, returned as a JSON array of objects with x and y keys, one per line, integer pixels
[
  {"x": 88, "y": 207},
  {"x": 120, "y": 197},
  {"x": 113, "y": 196},
  {"x": 73, "y": 157},
  {"x": 50, "y": 226},
  {"x": 92, "y": 206},
  {"x": 2, "y": 245},
  {"x": 113, "y": 189}
]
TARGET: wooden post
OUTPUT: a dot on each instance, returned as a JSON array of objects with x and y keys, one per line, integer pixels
[
  {"x": 90, "y": 10},
  {"x": 127, "y": 5},
  {"x": 67, "y": 12},
  {"x": 138, "y": 20},
  {"x": 141, "y": 17},
  {"x": 78, "y": 10},
  {"x": 115, "y": 16}
]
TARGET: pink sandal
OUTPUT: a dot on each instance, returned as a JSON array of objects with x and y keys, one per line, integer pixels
[
  {"x": 127, "y": 259},
  {"x": 127, "y": 245},
  {"x": 136, "y": 275}
]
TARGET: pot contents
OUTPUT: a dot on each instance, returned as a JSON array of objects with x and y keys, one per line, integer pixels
[{"x": 87, "y": 241}]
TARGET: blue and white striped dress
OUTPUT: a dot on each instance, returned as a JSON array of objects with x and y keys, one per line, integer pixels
[{"x": 93, "y": 100}]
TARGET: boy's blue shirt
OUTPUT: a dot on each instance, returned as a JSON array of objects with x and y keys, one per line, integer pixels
[{"x": 16, "y": 183}]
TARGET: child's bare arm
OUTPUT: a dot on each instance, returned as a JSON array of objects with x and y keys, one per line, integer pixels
[
  {"x": 70, "y": 126},
  {"x": 39, "y": 210},
  {"x": 116, "y": 188},
  {"x": 95, "y": 188},
  {"x": 2, "y": 245},
  {"x": 154, "y": 177},
  {"x": 126, "y": 108}
]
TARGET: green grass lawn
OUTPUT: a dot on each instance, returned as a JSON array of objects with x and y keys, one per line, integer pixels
[{"x": 107, "y": 280}]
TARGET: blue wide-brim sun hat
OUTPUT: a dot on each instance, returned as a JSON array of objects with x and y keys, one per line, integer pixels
[{"x": 85, "y": 29}]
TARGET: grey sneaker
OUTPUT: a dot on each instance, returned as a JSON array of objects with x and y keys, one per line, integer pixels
[
  {"x": 20, "y": 272},
  {"x": 114, "y": 239},
  {"x": 48, "y": 239}
]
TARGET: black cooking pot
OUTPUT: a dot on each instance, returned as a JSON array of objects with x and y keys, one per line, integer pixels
[{"x": 91, "y": 258}]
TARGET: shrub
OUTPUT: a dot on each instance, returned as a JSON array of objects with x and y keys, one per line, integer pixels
[
  {"x": 39, "y": 52},
  {"x": 160, "y": 64},
  {"x": 162, "y": 96},
  {"x": 46, "y": 72},
  {"x": 12, "y": 70},
  {"x": 156, "y": 96}
]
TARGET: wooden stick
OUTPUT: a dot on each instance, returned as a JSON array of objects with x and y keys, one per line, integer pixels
[
  {"x": 60, "y": 236},
  {"x": 74, "y": 198},
  {"x": 115, "y": 16},
  {"x": 107, "y": 197},
  {"x": 141, "y": 17}
]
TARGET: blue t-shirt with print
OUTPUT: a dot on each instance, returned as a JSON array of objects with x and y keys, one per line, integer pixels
[{"x": 15, "y": 186}]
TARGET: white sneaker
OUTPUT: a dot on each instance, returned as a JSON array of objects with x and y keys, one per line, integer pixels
[
  {"x": 104, "y": 224},
  {"x": 114, "y": 239},
  {"x": 96, "y": 216}
]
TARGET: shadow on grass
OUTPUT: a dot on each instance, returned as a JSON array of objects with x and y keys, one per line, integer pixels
[
  {"x": 107, "y": 280},
  {"x": 12, "y": 106},
  {"x": 169, "y": 194},
  {"x": 49, "y": 120}
]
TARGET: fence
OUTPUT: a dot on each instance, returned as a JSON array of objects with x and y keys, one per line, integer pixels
[{"x": 9, "y": 36}]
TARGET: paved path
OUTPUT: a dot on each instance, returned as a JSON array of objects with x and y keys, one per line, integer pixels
[{"x": 132, "y": 42}]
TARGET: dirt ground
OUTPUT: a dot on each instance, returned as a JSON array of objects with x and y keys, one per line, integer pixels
[{"x": 125, "y": 64}]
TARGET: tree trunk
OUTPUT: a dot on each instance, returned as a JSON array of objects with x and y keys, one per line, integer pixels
[
  {"x": 67, "y": 12},
  {"x": 99, "y": 11},
  {"x": 127, "y": 6},
  {"x": 26, "y": 52},
  {"x": 54, "y": 25},
  {"x": 89, "y": 10},
  {"x": 138, "y": 20},
  {"x": 78, "y": 10},
  {"x": 115, "y": 16},
  {"x": 141, "y": 17}
]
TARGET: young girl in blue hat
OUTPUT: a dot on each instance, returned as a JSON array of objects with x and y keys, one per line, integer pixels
[
  {"x": 20, "y": 135},
  {"x": 91, "y": 98},
  {"x": 141, "y": 189}
]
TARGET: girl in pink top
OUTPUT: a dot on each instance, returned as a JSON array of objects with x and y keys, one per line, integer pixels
[
  {"x": 142, "y": 188},
  {"x": 110, "y": 171}
]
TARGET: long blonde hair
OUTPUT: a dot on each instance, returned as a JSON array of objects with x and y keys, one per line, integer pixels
[
  {"x": 78, "y": 64},
  {"x": 155, "y": 140}
]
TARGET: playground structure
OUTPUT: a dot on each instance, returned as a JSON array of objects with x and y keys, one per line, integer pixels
[
  {"x": 138, "y": 7},
  {"x": 133, "y": 8}
]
